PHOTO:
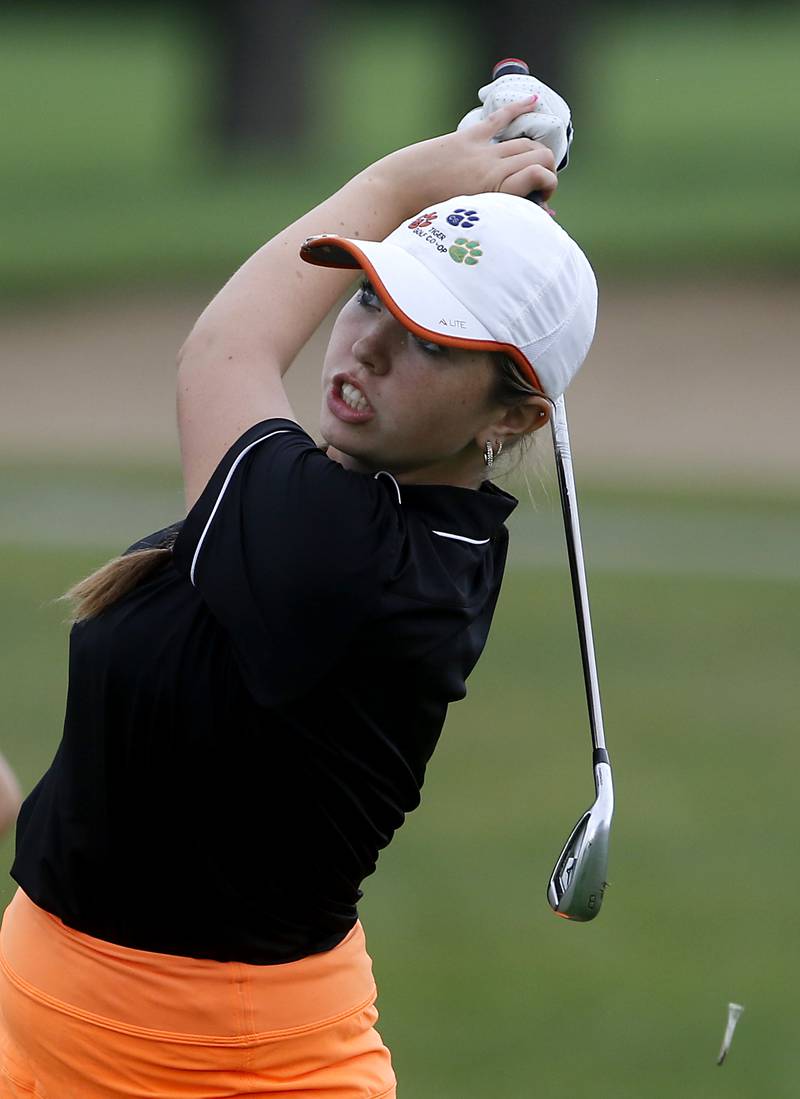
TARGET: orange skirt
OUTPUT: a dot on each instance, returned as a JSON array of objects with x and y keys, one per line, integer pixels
[{"x": 81, "y": 1018}]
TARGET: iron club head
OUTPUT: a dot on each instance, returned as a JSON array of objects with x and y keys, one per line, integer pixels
[{"x": 576, "y": 886}]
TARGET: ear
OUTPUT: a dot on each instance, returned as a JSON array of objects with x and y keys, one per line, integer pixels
[{"x": 520, "y": 420}]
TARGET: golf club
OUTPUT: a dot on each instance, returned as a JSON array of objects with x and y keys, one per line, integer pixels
[
  {"x": 578, "y": 881},
  {"x": 577, "y": 884}
]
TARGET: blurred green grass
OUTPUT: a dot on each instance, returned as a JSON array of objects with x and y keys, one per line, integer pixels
[
  {"x": 483, "y": 991},
  {"x": 686, "y": 154}
]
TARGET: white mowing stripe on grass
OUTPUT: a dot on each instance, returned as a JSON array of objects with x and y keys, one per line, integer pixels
[
  {"x": 738, "y": 542},
  {"x": 82, "y": 516}
]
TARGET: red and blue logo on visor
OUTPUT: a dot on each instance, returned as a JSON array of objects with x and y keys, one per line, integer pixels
[
  {"x": 463, "y": 217},
  {"x": 423, "y": 221}
]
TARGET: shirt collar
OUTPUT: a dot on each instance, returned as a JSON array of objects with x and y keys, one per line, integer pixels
[{"x": 448, "y": 509}]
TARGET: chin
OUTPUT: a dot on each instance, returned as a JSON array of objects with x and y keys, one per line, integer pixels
[
  {"x": 338, "y": 436},
  {"x": 333, "y": 431}
]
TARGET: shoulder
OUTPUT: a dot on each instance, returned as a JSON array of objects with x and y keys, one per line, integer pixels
[{"x": 278, "y": 498}]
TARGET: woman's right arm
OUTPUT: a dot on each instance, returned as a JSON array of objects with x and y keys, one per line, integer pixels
[{"x": 231, "y": 366}]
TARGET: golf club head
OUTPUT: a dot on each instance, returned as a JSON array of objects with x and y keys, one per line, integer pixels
[{"x": 578, "y": 881}]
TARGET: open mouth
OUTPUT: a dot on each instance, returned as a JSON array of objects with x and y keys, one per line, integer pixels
[
  {"x": 348, "y": 402},
  {"x": 354, "y": 398}
]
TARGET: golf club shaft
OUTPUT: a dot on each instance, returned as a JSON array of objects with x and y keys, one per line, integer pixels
[
  {"x": 572, "y": 529},
  {"x": 569, "y": 506}
]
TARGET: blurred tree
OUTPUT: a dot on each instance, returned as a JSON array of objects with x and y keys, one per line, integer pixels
[
  {"x": 539, "y": 33},
  {"x": 259, "y": 49},
  {"x": 258, "y": 54}
]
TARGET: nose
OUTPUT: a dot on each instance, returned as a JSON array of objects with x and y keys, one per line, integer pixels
[{"x": 374, "y": 347}]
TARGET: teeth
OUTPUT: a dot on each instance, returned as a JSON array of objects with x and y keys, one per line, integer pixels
[{"x": 354, "y": 398}]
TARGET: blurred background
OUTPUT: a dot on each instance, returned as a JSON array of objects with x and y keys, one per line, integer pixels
[{"x": 147, "y": 150}]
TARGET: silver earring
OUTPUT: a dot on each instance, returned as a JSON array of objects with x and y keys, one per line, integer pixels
[
  {"x": 488, "y": 455},
  {"x": 499, "y": 450}
]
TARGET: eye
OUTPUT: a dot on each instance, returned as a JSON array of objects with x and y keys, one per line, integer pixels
[
  {"x": 367, "y": 296},
  {"x": 431, "y": 348}
]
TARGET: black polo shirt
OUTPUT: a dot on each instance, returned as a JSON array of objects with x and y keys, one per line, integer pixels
[{"x": 247, "y": 728}]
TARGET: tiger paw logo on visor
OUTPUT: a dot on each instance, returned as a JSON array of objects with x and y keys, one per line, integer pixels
[
  {"x": 465, "y": 251},
  {"x": 463, "y": 217},
  {"x": 423, "y": 221}
]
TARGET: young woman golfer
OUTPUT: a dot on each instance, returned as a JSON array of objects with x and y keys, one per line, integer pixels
[{"x": 254, "y": 693}]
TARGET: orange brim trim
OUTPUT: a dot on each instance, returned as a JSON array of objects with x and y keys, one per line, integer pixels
[{"x": 312, "y": 252}]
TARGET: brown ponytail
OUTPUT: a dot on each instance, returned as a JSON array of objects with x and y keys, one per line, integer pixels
[{"x": 120, "y": 575}]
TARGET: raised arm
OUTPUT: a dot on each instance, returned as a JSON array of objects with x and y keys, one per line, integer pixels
[{"x": 232, "y": 364}]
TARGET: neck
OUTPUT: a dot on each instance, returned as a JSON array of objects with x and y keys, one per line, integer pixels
[{"x": 460, "y": 473}]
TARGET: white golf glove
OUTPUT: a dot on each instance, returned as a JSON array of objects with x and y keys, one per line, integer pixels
[{"x": 550, "y": 121}]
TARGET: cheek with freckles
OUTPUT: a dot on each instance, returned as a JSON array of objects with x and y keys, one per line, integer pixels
[
  {"x": 428, "y": 405},
  {"x": 429, "y": 414}
]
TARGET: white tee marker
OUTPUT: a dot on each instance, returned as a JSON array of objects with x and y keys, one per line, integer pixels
[{"x": 734, "y": 1011}]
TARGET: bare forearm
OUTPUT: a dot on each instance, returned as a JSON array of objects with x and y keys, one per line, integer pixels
[{"x": 275, "y": 301}]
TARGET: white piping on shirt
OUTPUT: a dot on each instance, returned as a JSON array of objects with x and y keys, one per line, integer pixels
[
  {"x": 462, "y": 538},
  {"x": 441, "y": 533},
  {"x": 231, "y": 472},
  {"x": 385, "y": 473}
]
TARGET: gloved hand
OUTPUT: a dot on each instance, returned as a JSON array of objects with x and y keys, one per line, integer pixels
[{"x": 550, "y": 122}]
